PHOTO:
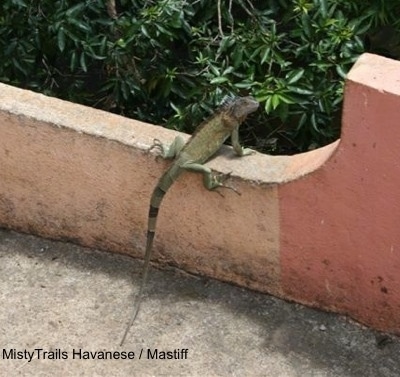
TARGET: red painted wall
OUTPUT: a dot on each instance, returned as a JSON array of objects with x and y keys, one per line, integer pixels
[{"x": 340, "y": 226}]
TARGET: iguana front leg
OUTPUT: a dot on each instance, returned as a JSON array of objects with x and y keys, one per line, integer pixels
[
  {"x": 169, "y": 152},
  {"x": 240, "y": 151},
  {"x": 211, "y": 180}
]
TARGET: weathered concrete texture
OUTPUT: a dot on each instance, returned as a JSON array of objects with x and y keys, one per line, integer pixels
[
  {"x": 340, "y": 245},
  {"x": 58, "y": 297}
]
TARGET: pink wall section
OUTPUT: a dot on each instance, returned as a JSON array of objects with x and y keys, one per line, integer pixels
[{"x": 340, "y": 226}]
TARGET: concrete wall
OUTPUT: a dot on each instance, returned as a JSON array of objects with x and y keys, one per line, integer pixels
[{"x": 318, "y": 228}]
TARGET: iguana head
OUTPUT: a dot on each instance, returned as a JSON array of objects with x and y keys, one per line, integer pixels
[{"x": 240, "y": 107}]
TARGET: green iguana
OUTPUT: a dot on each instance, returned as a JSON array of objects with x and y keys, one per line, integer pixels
[{"x": 204, "y": 143}]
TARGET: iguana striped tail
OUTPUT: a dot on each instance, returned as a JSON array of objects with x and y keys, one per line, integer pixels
[{"x": 159, "y": 192}]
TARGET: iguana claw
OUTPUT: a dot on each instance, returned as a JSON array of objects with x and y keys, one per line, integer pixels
[
  {"x": 156, "y": 144},
  {"x": 221, "y": 178}
]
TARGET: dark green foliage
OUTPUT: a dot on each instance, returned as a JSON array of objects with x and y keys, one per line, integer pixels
[{"x": 171, "y": 61}]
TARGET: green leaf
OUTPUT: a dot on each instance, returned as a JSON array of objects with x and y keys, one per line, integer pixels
[
  {"x": 243, "y": 85},
  {"x": 163, "y": 30},
  {"x": 72, "y": 36},
  {"x": 299, "y": 90},
  {"x": 82, "y": 62},
  {"x": 266, "y": 55},
  {"x": 314, "y": 122},
  {"x": 90, "y": 51},
  {"x": 302, "y": 121},
  {"x": 75, "y": 9},
  {"x": 72, "y": 63},
  {"x": 80, "y": 25},
  {"x": 145, "y": 32},
  {"x": 237, "y": 57},
  {"x": 61, "y": 39},
  {"x": 227, "y": 71},
  {"x": 306, "y": 23},
  {"x": 219, "y": 80},
  {"x": 224, "y": 44},
  {"x": 214, "y": 70},
  {"x": 323, "y": 8},
  {"x": 21, "y": 3},
  {"x": 268, "y": 105},
  {"x": 295, "y": 76},
  {"x": 276, "y": 99},
  {"x": 341, "y": 72},
  {"x": 286, "y": 98},
  {"x": 103, "y": 45}
]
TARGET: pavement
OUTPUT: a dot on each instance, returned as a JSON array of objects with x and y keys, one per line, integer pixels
[{"x": 64, "y": 309}]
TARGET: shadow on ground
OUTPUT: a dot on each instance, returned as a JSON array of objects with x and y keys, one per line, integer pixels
[{"x": 69, "y": 301}]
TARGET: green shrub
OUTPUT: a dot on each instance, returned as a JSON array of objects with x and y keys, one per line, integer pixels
[{"x": 171, "y": 61}]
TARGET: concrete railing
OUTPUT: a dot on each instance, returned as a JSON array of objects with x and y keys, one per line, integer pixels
[{"x": 319, "y": 228}]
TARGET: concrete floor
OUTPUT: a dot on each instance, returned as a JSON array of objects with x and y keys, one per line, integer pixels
[{"x": 60, "y": 298}]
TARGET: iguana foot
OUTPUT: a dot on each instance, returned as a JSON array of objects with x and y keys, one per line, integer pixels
[
  {"x": 168, "y": 152},
  {"x": 219, "y": 180}
]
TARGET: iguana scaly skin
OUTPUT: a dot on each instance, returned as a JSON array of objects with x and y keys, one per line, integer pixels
[{"x": 204, "y": 143}]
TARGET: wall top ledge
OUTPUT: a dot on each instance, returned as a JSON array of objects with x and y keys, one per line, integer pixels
[
  {"x": 377, "y": 72},
  {"x": 258, "y": 168}
]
